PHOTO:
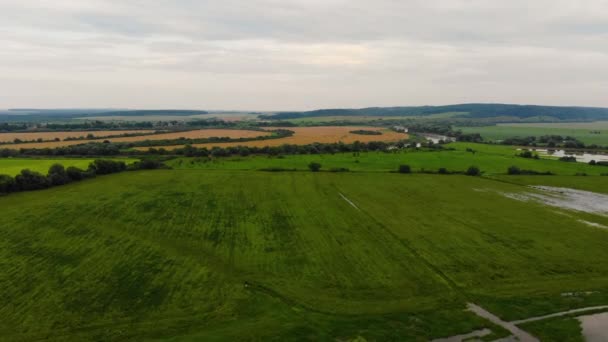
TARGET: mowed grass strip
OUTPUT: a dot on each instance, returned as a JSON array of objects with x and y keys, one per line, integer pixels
[
  {"x": 309, "y": 135},
  {"x": 173, "y": 252},
  {"x": 194, "y": 134}
]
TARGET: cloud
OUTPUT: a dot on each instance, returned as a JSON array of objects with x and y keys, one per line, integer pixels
[{"x": 313, "y": 53}]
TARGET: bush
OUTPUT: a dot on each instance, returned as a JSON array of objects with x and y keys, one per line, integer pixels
[
  {"x": 529, "y": 154},
  {"x": 104, "y": 166},
  {"x": 404, "y": 169},
  {"x": 76, "y": 174},
  {"x": 7, "y": 184},
  {"x": 30, "y": 180},
  {"x": 339, "y": 169},
  {"x": 443, "y": 171},
  {"x": 314, "y": 166},
  {"x": 514, "y": 170},
  {"x": 473, "y": 171},
  {"x": 57, "y": 175},
  {"x": 148, "y": 164}
]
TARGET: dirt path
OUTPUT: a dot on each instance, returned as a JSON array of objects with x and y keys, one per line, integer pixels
[
  {"x": 563, "y": 313},
  {"x": 520, "y": 334}
]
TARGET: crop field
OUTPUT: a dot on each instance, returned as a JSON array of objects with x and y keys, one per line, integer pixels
[
  {"x": 13, "y": 166},
  {"x": 490, "y": 159},
  {"x": 10, "y": 137},
  {"x": 234, "y": 255},
  {"x": 309, "y": 135},
  {"x": 194, "y": 134},
  {"x": 585, "y": 132}
]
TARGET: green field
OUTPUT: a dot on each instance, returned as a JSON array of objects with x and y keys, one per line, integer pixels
[
  {"x": 237, "y": 255},
  {"x": 580, "y": 131},
  {"x": 13, "y": 166},
  {"x": 492, "y": 159}
]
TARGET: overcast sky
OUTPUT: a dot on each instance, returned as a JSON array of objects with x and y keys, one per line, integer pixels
[{"x": 301, "y": 54}]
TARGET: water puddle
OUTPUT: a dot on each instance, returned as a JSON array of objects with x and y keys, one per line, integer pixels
[
  {"x": 583, "y": 157},
  {"x": 566, "y": 198},
  {"x": 595, "y": 327}
]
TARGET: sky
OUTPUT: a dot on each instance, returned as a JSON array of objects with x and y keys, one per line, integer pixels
[{"x": 301, "y": 54}]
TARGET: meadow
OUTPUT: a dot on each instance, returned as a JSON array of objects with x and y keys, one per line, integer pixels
[
  {"x": 491, "y": 159},
  {"x": 581, "y": 131},
  {"x": 13, "y": 166},
  {"x": 241, "y": 255}
]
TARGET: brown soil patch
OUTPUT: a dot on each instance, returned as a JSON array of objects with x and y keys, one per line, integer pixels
[{"x": 196, "y": 134}]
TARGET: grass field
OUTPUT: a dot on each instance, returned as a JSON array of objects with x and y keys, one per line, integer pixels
[
  {"x": 490, "y": 159},
  {"x": 236, "y": 255},
  {"x": 194, "y": 134},
  {"x": 10, "y": 137},
  {"x": 581, "y": 131},
  {"x": 13, "y": 166},
  {"x": 309, "y": 135}
]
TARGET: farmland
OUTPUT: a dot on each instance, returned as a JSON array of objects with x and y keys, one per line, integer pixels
[
  {"x": 587, "y": 132},
  {"x": 194, "y": 134},
  {"x": 490, "y": 159},
  {"x": 198, "y": 254},
  {"x": 309, "y": 135},
  {"x": 12, "y": 166},
  {"x": 10, "y": 137}
]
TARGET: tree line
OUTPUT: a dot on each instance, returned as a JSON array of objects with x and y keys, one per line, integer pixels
[{"x": 28, "y": 180}]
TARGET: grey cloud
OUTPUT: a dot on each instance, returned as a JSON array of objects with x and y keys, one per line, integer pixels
[{"x": 314, "y": 53}]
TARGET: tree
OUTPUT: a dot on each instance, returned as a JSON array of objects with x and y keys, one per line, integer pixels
[
  {"x": 473, "y": 171},
  {"x": 57, "y": 175},
  {"x": 314, "y": 166},
  {"x": 404, "y": 169}
]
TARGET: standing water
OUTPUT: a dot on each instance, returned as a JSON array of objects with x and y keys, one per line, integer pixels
[{"x": 582, "y": 157}]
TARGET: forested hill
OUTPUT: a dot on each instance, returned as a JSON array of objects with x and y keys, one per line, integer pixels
[
  {"x": 472, "y": 110},
  {"x": 29, "y": 115}
]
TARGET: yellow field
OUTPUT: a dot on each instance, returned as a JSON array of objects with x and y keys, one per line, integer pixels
[
  {"x": 196, "y": 134},
  {"x": 309, "y": 135},
  {"x": 10, "y": 137}
]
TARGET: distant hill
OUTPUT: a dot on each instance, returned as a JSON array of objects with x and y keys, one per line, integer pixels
[
  {"x": 26, "y": 114},
  {"x": 472, "y": 110}
]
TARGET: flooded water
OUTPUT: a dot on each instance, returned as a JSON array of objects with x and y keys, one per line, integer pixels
[
  {"x": 582, "y": 157},
  {"x": 436, "y": 138},
  {"x": 595, "y": 327},
  {"x": 566, "y": 198}
]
